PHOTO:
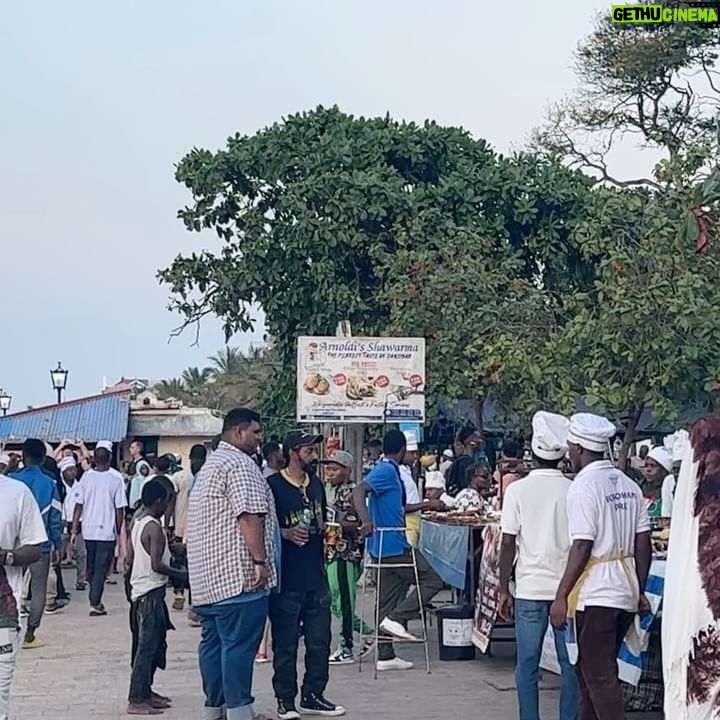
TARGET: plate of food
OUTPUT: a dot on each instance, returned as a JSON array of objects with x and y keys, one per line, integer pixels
[
  {"x": 360, "y": 387},
  {"x": 316, "y": 384}
]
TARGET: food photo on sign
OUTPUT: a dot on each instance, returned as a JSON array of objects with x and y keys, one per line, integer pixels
[{"x": 360, "y": 379}]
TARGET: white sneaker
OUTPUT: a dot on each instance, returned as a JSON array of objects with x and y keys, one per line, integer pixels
[
  {"x": 391, "y": 627},
  {"x": 395, "y": 664},
  {"x": 368, "y": 646}
]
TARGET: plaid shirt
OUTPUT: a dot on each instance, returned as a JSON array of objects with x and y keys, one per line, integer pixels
[{"x": 219, "y": 560}]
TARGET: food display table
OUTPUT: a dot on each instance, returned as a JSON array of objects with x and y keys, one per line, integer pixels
[{"x": 450, "y": 543}]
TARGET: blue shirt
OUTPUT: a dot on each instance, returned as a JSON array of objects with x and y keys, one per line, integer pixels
[
  {"x": 45, "y": 492},
  {"x": 387, "y": 509}
]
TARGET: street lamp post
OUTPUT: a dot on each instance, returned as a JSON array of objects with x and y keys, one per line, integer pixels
[
  {"x": 5, "y": 402},
  {"x": 59, "y": 380}
]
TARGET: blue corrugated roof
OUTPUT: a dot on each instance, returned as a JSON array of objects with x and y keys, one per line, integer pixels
[{"x": 101, "y": 417}]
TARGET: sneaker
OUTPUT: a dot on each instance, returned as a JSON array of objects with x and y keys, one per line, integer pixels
[
  {"x": 193, "y": 619},
  {"x": 24, "y": 612},
  {"x": 33, "y": 644},
  {"x": 317, "y": 705},
  {"x": 395, "y": 664},
  {"x": 394, "y": 628},
  {"x": 287, "y": 711},
  {"x": 97, "y": 610},
  {"x": 53, "y": 608},
  {"x": 261, "y": 658},
  {"x": 342, "y": 656},
  {"x": 80, "y": 587},
  {"x": 178, "y": 603},
  {"x": 367, "y": 647}
]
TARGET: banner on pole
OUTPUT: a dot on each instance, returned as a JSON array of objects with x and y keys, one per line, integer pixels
[{"x": 360, "y": 380}]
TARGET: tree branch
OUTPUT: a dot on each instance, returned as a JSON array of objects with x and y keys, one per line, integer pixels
[{"x": 601, "y": 167}]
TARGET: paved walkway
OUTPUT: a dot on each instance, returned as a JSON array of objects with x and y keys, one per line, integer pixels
[{"x": 83, "y": 674}]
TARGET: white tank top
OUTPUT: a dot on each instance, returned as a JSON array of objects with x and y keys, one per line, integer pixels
[{"x": 143, "y": 578}]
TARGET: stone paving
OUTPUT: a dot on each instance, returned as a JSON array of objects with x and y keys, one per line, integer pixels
[{"x": 83, "y": 674}]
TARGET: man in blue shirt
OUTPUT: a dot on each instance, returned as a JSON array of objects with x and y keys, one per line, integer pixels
[
  {"x": 45, "y": 492},
  {"x": 380, "y": 503}
]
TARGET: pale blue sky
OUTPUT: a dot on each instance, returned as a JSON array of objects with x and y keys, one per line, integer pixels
[{"x": 100, "y": 99}]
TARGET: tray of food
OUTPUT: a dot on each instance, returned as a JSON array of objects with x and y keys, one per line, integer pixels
[
  {"x": 465, "y": 517},
  {"x": 660, "y": 539}
]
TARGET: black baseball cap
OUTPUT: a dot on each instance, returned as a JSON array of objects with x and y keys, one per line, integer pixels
[{"x": 299, "y": 438}]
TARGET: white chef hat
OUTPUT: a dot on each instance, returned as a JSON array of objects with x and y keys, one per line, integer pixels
[
  {"x": 65, "y": 463},
  {"x": 411, "y": 442},
  {"x": 680, "y": 445},
  {"x": 590, "y": 431},
  {"x": 434, "y": 480},
  {"x": 549, "y": 437},
  {"x": 104, "y": 445},
  {"x": 662, "y": 457}
]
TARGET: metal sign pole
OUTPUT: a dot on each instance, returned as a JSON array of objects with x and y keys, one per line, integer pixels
[{"x": 353, "y": 435}]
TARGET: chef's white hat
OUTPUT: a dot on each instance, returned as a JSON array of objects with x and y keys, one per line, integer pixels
[
  {"x": 590, "y": 431},
  {"x": 549, "y": 438},
  {"x": 680, "y": 445},
  {"x": 434, "y": 480}
]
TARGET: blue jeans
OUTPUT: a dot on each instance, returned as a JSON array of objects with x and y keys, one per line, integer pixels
[
  {"x": 231, "y": 635},
  {"x": 531, "y": 622}
]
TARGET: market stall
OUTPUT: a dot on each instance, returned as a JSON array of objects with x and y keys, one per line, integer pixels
[
  {"x": 464, "y": 550},
  {"x": 451, "y": 542}
]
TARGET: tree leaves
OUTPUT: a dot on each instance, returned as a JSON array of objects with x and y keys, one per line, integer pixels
[
  {"x": 533, "y": 285},
  {"x": 326, "y": 217},
  {"x": 232, "y": 379}
]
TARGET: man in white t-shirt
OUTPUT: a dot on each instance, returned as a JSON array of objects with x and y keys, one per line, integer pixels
[
  {"x": 68, "y": 471},
  {"x": 100, "y": 501},
  {"x": 607, "y": 567},
  {"x": 22, "y": 534},
  {"x": 535, "y": 529}
]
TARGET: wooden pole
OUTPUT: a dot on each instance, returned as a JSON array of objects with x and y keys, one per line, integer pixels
[{"x": 353, "y": 435}]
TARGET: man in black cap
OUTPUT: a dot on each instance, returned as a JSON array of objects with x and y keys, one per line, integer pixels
[{"x": 304, "y": 598}]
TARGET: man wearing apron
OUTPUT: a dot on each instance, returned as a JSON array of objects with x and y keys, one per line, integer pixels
[{"x": 607, "y": 567}]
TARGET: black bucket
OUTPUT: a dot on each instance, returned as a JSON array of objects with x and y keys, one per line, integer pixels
[{"x": 455, "y": 625}]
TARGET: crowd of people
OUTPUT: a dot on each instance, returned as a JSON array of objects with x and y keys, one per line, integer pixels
[{"x": 272, "y": 538}]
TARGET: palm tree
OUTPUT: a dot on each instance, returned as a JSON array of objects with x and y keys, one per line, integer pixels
[
  {"x": 227, "y": 362},
  {"x": 195, "y": 379},
  {"x": 232, "y": 379},
  {"x": 173, "y": 388}
]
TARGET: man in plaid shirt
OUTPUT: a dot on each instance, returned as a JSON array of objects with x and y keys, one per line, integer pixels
[{"x": 231, "y": 534}]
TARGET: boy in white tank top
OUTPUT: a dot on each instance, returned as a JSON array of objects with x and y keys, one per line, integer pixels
[{"x": 148, "y": 568}]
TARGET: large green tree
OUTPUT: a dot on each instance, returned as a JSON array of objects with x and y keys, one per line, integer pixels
[
  {"x": 643, "y": 335},
  {"x": 326, "y": 217}
]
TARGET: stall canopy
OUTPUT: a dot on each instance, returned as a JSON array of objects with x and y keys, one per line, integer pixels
[{"x": 99, "y": 417}]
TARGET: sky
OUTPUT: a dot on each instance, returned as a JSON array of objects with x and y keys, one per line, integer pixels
[{"x": 100, "y": 100}]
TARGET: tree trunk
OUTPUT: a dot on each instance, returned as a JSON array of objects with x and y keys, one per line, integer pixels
[
  {"x": 634, "y": 413},
  {"x": 479, "y": 404}
]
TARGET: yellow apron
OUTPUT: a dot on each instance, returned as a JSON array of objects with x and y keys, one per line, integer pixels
[
  {"x": 412, "y": 528},
  {"x": 574, "y": 596}
]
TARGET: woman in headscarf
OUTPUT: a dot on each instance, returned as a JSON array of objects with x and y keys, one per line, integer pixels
[
  {"x": 691, "y": 602},
  {"x": 658, "y": 465}
]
